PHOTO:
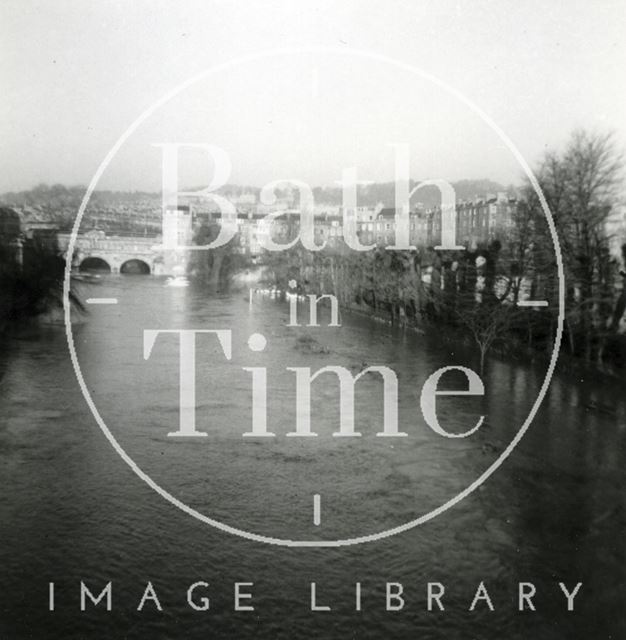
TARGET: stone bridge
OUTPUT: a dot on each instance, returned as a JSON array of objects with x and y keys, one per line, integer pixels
[{"x": 117, "y": 254}]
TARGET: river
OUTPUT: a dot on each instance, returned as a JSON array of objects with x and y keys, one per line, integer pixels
[{"x": 71, "y": 509}]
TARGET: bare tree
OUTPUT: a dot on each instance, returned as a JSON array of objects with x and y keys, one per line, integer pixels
[
  {"x": 486, "y": 322},
  {"x": 582, "y": 188}
]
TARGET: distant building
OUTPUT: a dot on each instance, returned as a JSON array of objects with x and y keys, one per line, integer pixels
[
  {"x": 10, "y": 237},
  {"x": 177, "y": 233},
  {"x": 385, "y": 227},
  {"x": 10, "y": 225},
  {"x": 483, "y": 220}
]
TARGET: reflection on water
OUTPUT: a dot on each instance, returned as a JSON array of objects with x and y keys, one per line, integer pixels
[{"x": 71, "y": 509}]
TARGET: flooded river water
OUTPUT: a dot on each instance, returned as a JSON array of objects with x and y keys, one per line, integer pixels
[{"x": 71, "y": 509}]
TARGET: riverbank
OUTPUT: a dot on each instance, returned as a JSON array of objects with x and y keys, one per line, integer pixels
[{"x": 508, "y": 348}]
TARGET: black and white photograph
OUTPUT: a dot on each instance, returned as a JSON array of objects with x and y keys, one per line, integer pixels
[{"x": 312, "y": 319}]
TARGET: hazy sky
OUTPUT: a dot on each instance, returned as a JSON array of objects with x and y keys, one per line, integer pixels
[{"x": 75, "y": 74}]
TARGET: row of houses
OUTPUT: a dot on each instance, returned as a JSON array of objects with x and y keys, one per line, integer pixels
[{"x": 478, "y": 223}]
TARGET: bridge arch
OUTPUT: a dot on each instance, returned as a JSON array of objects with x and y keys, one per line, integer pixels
[
  {"x": 94, "y": 263},
  {"x": 135, "y": 266}
]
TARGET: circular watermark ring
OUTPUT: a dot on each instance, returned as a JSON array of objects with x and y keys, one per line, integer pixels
[{"x": 542, "y": 391}]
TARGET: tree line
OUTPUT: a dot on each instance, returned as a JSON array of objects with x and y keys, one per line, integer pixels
[{"x": 477, "y": 291}]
